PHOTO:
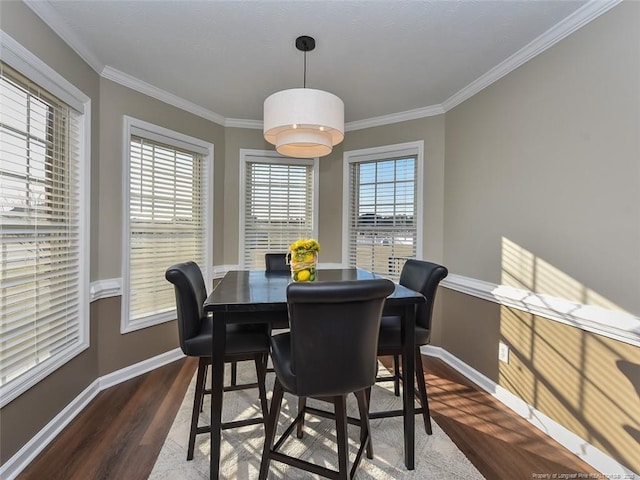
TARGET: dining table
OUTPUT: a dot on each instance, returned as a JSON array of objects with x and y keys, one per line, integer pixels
[{"x": 251, "y": 296}]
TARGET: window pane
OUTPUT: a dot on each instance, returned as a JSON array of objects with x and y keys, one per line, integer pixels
[
  {"x": 382, "y": 230},
  {"x": 167, "y": 222},
  {"x": 278, "y": 199},
  {"x": 40, "y": 319}
]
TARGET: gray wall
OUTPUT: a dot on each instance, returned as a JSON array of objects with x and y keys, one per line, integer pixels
[
  {"x": 548, "y": 158},
  {"x": 542, "y": 192}
]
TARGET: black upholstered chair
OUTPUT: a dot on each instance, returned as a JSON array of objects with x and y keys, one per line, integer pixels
[
  {"x": 423, "y": 277},
  {"x": 329, "y": 353},
  {"x": 195, "y": 329},
  {"x": 276, "y": 262}
]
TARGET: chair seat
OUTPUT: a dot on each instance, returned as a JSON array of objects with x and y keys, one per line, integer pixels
[
  {"x": 390, "y": 334},
  {"x": 241, "y": 340}
]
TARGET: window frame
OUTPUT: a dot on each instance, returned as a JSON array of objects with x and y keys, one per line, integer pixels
[
  {"x": 270, "y": 156},
  {"x": 381, "y": 153},
  {"x": 140, "y": 128},
  {"x": 38, "y": 72}
]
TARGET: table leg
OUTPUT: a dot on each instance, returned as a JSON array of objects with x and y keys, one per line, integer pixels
[
  {"x": 408, "y": 372},
  {"x": 217, "y": 384}
]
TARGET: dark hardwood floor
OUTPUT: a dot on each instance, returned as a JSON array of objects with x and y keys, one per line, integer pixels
[{"x": 120, "y": 433}]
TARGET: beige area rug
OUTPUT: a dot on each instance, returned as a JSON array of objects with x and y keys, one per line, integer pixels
[{"x": 437, "y": 457}]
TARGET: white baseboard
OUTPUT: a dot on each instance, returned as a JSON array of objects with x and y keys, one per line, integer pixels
[
  {"x": 33, "y": 447},
  {"x": 18, "y": 462},
  {"x": 576, "y": 445},
  {"x": 139, "y": 368}
]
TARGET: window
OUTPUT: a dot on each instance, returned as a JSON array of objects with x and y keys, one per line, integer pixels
[
  {"x": 168, "y": 213},
  {"x": 44, "y": 284},
  {"x": 383, "y": 207},
  {"x": 277, "y": 204}
]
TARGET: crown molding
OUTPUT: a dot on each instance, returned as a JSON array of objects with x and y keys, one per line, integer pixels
[
  {"x": 48, "y": 15},
  {"x": 241, "y": 123},
  {"x": 147, "y": 89},
  {"x": 358, "y": 124},
  {"x": 566, "y": 27},
  {"x": 355, "y": 125},
  {"x": 573, "y": 22},
  {"x": 614, "y": 324},
  {"x": 414, "y": 114}
]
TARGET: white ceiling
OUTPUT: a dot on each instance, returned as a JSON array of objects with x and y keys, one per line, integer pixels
[{"x": 386, "y": 59}]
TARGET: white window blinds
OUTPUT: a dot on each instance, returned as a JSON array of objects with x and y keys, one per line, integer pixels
[
  {"x": 43, "y": 302},
  {"x": 278, "y": 206},
  {"x": 381, "y": 223},
  {"x": 167, "y": 224}
]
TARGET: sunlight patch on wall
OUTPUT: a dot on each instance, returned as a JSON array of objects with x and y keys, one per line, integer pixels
[
  {"x": 574, "y": 376},
  {"x": 522, "y": 269}
]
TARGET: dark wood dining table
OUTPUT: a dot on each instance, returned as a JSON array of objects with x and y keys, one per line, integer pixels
[{"x": 248, "y": 296}]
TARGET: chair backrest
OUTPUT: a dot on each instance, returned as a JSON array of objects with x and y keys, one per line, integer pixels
[
  {"x": 334, "y": 334},
  {"x": 423, "y": 277},
  {"x": 276, "y": 262},
  {"x": 191, "y": 292}
]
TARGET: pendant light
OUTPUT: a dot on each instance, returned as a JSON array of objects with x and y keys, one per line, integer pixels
[{"x": 304, "y": 122}]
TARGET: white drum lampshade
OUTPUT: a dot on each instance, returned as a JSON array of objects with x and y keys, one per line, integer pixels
[{"x": 303, "y": 122}]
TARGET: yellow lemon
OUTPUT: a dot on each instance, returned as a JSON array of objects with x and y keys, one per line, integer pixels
[
  {"x": 308, "y": 257},
  {"x": 303, "y": 275}
]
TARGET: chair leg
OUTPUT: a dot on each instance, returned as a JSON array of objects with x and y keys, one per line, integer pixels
[
  {"x": 422, "y": 390},
  {"x": 396, "y": 375},
  {"x": 234, "y": 373},
  {"x": 197, "y": 401},
  {"x": 204, "y": 387},
  {"x": 261, "y": 373},
  {"x": 302, "y": 405},
  {"x": 365, "y": 427},
  {"x": 341, "y": 437},
  {"x": 270, "y": 429}
]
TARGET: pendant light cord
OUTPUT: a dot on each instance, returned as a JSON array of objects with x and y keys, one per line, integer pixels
[{"x": 304, "y": 80}]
